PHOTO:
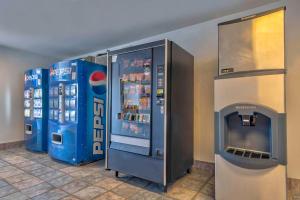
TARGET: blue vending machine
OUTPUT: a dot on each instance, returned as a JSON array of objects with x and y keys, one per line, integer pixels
[
  {"x": 36, "y": 109},
  {"x": 77, "y": 98}
]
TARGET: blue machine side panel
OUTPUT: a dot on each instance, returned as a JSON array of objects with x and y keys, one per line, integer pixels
[
  {"x": 96, "y": 104},
  {"x": 36, "y": 123}
]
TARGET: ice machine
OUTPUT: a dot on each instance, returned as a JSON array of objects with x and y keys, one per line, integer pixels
[{"x": 250, "y": 115}]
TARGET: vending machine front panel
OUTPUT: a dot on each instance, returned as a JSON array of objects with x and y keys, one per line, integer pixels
[
  {"x": 62, "y": 131},
  {"x": 77, "y": 104},
  {"x": 132, "y": 97},
  {"x": 36, "y": 109}
]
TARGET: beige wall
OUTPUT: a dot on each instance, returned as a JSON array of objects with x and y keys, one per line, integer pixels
[
  {"x": 13, "y": 63},
  {"x": 293, "y": 86}
]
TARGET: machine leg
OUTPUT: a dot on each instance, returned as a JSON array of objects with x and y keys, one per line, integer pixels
[
  {"x": 189, "y": 170},
  {"x": 116, "y": 174},
  {"x": 165, "y": 188}
]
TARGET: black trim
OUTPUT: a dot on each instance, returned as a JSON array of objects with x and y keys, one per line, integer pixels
[
  {"x": 251, "y": 73},
  {"x": 137, "y": 48}
]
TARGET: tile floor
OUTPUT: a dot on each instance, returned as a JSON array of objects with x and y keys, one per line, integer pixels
[{"x": 27, "y": 175}]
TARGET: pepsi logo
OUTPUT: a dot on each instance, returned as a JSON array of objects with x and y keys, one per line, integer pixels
[
  {"x": 31, "y": 77},
  {"x": 98, "y": 82}
]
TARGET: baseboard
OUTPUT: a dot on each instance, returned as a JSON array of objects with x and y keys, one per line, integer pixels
[
  {"x": 9, "y": 145},
  {"x": 204, "y": 166}
]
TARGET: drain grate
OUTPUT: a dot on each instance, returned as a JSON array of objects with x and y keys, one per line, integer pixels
[{"x": 248, "y": 153}]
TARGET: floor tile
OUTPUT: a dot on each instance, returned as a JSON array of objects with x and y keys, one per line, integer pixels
[
  {"x": 51, "y": 195},
  {"x": 74, "y": 186},
  {"x": 3, "y": 183},
  {"x": 41, "y": 171},
  {"x": 191, "y": 184},
  {"x": 32, "y": 167},
  {"x": 162, "y": 197},
  {"x": 200, "y": 175},
  {"x": 111, "y": 174},
  {"x": 60, "y": 181},
  {"x": 93, "y": 179},
  {"x": 15, "y": 159},
  {"x": 7, "y": 168},
  {"x": 3, "y": 163},
  {"x": 70, "y": 169},
  {"x": 181, "y": 193},
  {"x": 36, "y": 157},
  {"x": 51, "y": 175},
  {"x": 10, "y": 173},
  {"x": 49, "y": 163},
  {"x": 39, "y": 177},
  {"x": 108, "y": 183},
  {"x": 89, "y": 192},
  {"x": 154, "y": 187},
  {"x": 6, "y": 190},
  {"x": 27, "y": 183},
  {"x": 71, "y": 198},
  {"x": 125, "y": 190},
  {"x": 80, "y": 174},
  {"x": 37, "y": 189},
  {"x": 18, "y": 178},
  {"x": 15, "y": 196},
  {"x": 209, "y": 190},
  {"x": 201, "y": 196},
  {"x": 59, "y": 166},
  {"x": 109, "y": 196},
  {"x": 25, "y": 164},
  {"x": 44, "y": 160},
  {"x": 138, "y": 182},
  {"x": 144, "y": 194}
]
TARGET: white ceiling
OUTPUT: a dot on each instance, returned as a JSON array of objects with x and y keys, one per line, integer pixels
[{"x": 66, "y": 28}]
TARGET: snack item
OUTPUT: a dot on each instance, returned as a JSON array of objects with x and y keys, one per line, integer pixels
[
  {"x": 125, "y": 125},
  {"x": 132, "y": 77},
  {"x": 140, "y": 76},
  {"x": 147, "y": 62},
  {"x": 140, "y": 89},
  {"x": 126, "y": 63},
  {"x": 147, "y": 89},
  {"x": 125, "y": 77},
  {"x": 147, "y": 76}
]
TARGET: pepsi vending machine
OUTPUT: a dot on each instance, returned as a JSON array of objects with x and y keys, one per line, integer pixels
[
  {"x": 77, "y": 97},
  {"x": 36, "y": 109}
]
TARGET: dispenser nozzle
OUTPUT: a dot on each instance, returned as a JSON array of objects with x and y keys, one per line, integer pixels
[{"x": 248, "y": 120}]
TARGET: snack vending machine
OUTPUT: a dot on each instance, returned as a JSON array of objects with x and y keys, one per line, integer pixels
[
  {"x": 77, "y": 98},
  {"x": 36, "y": 109},
  {"x": 150, "y": 115}
]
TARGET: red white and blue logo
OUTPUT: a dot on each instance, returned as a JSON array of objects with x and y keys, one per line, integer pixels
[{"x": 98, "y": 82}]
